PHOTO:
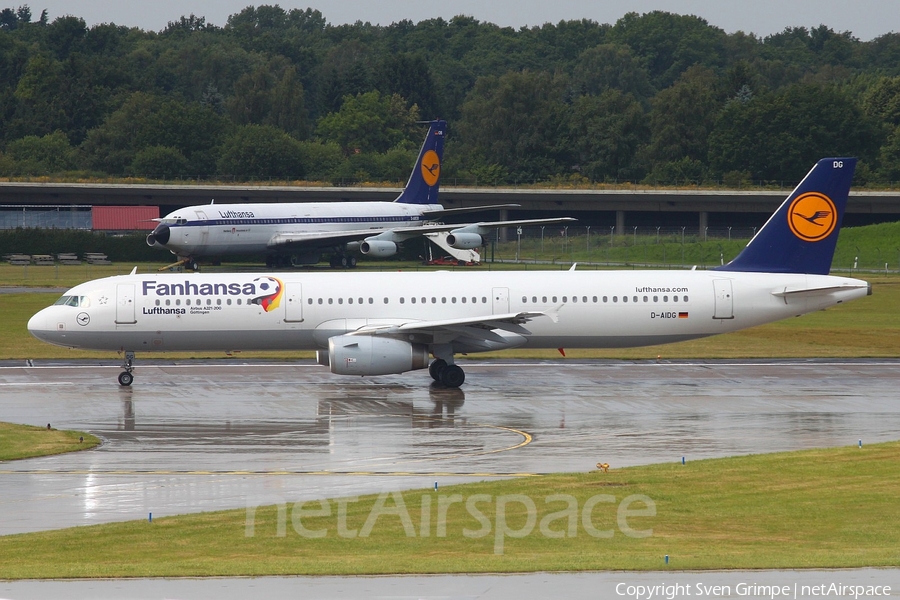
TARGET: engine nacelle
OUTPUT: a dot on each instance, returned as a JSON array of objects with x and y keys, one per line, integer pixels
[
  {"x": 465, "y": 241},
  {"x": 371, "y": 355},
  {"x": 378, "y": 248}
]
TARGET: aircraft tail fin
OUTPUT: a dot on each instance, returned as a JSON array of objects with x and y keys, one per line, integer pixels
[
  {"x": 422, "y": 187},
  {"x": 801, "y": 236}
]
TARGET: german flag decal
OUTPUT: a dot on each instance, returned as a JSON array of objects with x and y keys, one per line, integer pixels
[{"x": 682, "y": 315}]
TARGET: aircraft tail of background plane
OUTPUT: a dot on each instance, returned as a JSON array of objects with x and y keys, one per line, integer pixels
[
  {"x": 422, "y": 187},
  {"x": 801, "y": 236}
]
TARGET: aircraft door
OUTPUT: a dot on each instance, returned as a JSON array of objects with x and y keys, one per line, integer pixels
[
  {"x": 203, "y": 228},
  {"x": 501, "y": 300},
  {"x": 293, "y": 302},
  {"x": 724, "y": 299},
  {"x": 125, "y": 309}
]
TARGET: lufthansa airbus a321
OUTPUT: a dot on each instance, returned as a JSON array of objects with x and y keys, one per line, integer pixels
[{"x": 385, "y": 323}]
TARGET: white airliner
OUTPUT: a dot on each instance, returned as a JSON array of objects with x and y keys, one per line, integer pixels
[
  {"x": 299, "y": 233},
  {"x": 384, "y": 323}
]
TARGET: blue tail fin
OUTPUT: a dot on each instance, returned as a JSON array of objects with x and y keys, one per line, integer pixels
[
  {"x": 422, "y": 187},
  {"x": 800, "y": 237}
]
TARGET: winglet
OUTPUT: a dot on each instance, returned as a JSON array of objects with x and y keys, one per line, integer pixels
[
  {"x": 801, "y": 236},
  {"x": 424, "y": 181}
]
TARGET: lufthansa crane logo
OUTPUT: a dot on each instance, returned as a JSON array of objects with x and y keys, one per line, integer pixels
[
  {"x": 812, "y": 216},
  {"x": 431, "y": 168}
]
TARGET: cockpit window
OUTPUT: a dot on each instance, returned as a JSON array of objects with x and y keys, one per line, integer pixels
[{"x": 82, "y": 301}]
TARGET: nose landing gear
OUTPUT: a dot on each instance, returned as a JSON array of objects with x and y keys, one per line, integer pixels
[{"x": 126, "y": 377}]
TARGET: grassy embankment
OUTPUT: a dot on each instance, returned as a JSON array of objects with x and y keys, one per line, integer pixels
[
  {"x": 27, "y": 441},
  {"x": 831, "y": 508}
]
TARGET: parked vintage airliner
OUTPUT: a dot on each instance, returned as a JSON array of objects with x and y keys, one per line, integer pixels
[
  {"x": 386, "y": 323},
  {"x": 299, "y": 233}
]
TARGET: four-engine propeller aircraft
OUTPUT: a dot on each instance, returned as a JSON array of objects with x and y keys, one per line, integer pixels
[
  {"x": 384, "y": 323},
  {"x": 299, "y": 233}
]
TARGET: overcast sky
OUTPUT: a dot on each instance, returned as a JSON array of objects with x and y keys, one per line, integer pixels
[{"x": 866, "y": 19}]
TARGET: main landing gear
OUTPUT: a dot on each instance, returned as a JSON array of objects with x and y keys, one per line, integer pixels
[
  {"x": 126, "y": 377},
  {"x": 448, "y": 375},
  {"x": 342, "y": 261}
]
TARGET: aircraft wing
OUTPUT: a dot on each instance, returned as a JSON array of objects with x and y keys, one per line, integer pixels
[
  {"x": 437, "y": 214},
  {"x": 479, "y": 331},
  {"x": 320, "y": 239}
]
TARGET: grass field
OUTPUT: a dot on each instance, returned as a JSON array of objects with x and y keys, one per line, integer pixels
[
  {"x": 831, "y": 508},
  {"x": 27, "y": 441}
]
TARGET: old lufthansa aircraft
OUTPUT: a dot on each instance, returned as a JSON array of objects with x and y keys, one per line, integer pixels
[
  {"x": 299, "y": 233},
  {"x": 385, "y": 323}
]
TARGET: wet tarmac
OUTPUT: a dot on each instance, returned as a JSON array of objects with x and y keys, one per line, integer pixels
[{"x": 201, "y": 436}]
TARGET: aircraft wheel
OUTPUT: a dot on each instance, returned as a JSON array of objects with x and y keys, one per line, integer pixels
[
  {"x": 452, "y": 376},
  {"x": 436, "y": 367},
  {"x": 343, "y": 261},
  {"x": 125, "y": 378},
  {"x": 352, "y": 262},
  {"x": 193, "y": 265}
]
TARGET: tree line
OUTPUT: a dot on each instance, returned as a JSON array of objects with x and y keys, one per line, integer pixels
[{"x": 282, "y": 94}]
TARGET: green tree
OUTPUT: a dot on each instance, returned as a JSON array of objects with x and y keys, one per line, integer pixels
[
  {"x": 682, "y": 117},
  {"x": 33, "y": 155},
  {"x": 517, "y": 121},
  {"x": 777, "y": 136},
  {"x": 606, "y": 132},
  {"x": 371, "y": 122},
  {"x": 408, "y": 76},
  {"x": 669, "y": 43},
  {"x": 882, "y": 100},
  {"x": 261, "y": 152},
  {"x": 160, "y": 162},
  {"x": 611, "y": 67}
]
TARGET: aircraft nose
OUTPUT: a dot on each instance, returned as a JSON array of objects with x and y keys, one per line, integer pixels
[
  {"x": 39, "y": 326},
  {"x": 159, "y": 236}
]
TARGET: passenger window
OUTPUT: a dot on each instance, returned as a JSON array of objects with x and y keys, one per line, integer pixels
[
  {"x": 434, "y": 300},
  {"x": 187, "y": 302},
  {"x": 595, "y": 299},
  {"x": 228, "y": 301},
  {"x": 484, "y": 299},
  {"x": 665, "y": 298},
  {"x": 349, "y": 300},
  {"x": 178, "y": 302},
  {"x": 574, "y": 298},
  {"x": 331, "y": 301},
  {"x": 656, "y": 298},
  {"x": 605, "y": 298},
  {"x": 386, "y": 300},
  {"x": 453, "y": 300},
  {"x": 209, "y": 302},
  {"x": 413, "y": 299},
  {"x": 360, "y": 300},
  {"x": 320, "y": 301},
  {"x": 402, "y": 300},
  {"x": 685, "y": 298},
  {"x": 463, "y": 299},
  {"x": 564, "y": 299},
  {"x": 584, "y": 299},
  {"x": 646, "y": 299},
  {"x": 534, "y": 299},
  {"x": 544, "y": 299},
  {"x": 524, "y": 299},
  {"x": 674, "y": 298},
  {"x": 554, "y": 298},
  {"x": 340, "y": 300},
  {"x": 615, "y": 298},
  {"x": 634, "y": 298},
  {"x": 157, "y": 302},
  {"x": 238, "y": 301}
]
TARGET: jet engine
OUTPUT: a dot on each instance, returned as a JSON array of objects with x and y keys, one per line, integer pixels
[
  {"x": 159, "y": 236},
  {"x": 462, "y": 240},
  {"x": 371, "y": 355},
  {"x": 380, "y": 248}
]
